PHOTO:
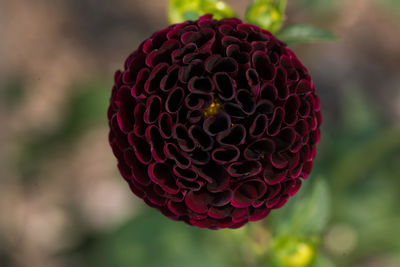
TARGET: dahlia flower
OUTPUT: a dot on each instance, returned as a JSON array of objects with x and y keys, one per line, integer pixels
[{"x": 214, "y": 122}]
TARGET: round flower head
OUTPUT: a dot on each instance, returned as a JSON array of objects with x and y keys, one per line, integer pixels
[{"x": 214, "y": 122}]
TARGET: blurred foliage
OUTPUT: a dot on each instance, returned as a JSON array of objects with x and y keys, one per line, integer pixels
[
  {"x": 86, "y": 107},
  {"x": 267, "y": 14},
  {"x": 182, "y": 10},
  {"x": 301, "y": 33}
]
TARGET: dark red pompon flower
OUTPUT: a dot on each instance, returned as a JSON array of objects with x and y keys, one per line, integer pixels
[{"x": 214, "y": 122}]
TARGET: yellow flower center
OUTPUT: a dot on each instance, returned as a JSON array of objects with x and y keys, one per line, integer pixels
[{"x": 213, "y": 109}]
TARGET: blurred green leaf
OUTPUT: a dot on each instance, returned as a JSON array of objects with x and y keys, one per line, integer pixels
[
  {"x": 182, "y": 10},
  {"x": 299, "y": 33},
  {"x": 151, "y": 240},
  {"x": 311, "y": 215},
  {"x": 267, "y": 14}
]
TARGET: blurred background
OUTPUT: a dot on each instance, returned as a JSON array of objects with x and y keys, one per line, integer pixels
[{"x": 63, "y": 202}]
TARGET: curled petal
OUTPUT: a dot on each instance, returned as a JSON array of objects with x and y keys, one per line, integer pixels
[
  {"x": 225, "y": 154},
  {"x": 195, "y": 101},
  {"x": 248, "y": 192},
  {"x": 174, "y": 100},
  {"x": 153, "y": 83},
  {"x": 216, "y": 63},
  {"x": 215, "y": 175},
  {"x": 156, "y": 141},
  {"x": 201, "y": 138},
  {"x": 217, "y": 124},
  {"x": 186, "y": 174},
  {"x": 235, "y": 135},
  {"x": 276, "y": 121},
  {"x": 246, "y": 101},
  {"x": 259, "y": 149},
  {"x": 172, "y": 152},
  {"x": 159, "y": 173},
  {"x": 180, "y": 133},
  {"x": 165, "y": 124},
  {"x": 225, "y": 85},
  {"x": 201, "y": 85},
  {"x": 263, "y": 65},
  {"x": 259, "y": 126},
  {"x": 244, "y": 169},
  {"x": 170, "y": 80},
  {"x": 200, "y": 157},
  {"x": 153, "y": 110}
]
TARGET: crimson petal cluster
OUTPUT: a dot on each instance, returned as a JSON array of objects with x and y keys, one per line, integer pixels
[{"x": 224, "y": 169}]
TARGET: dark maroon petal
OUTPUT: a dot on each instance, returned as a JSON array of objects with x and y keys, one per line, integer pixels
[
  {"x": 159, "y": 173},
  {"x": 259, "y": 126},
  {"x": 234, "y": 110},
  {"x": 187, "y": 174},
  {"x": 291, "y": 108},
  {"x": 199, "y": 38},
  {"x": 141, "y": 148},
  {"x": 142, "y": 77},
  {"x": 195, "y": 116},
  {"x": 273, "y": 175},
  {"x": 217, "y": 124},
  {"x": 170, "y": 80},
  {"x": 225, "y": 85},
  {"x": 244, "y": 168},
  {"x": 278, "y": 161},
  {"x": 200, "y": 157},
  {"x": 137, "y": 169},
  {"x": 215, "y": 175},
  {"x": 165, "y": 125},
  {"x": 195, "y": 68},
  {"x": 225, "y": 154},
  {"x": 252, "y": 77},
  {"x": 180, "y": 53},
  {"x": 156, "y": 142},
  {"x": 293, "y": 186},
  {"x": 284, "y": 139},
  {"x": 259, "y": 214},
  {"x": 259, "y": 149},
  {"x": 249, "y": 191},
  {"x": 276, "y": 121},
  {"x": 189, "y": 185},
  {"x": 216, "y": 63},
  {"x": 197, "y": 201},
  {"x": 265, "y": 107},
  {"x": 174, "y": 100},
  {"x": 280, "y": 83},
  {"x": 239, "y": 56},
  {"x": 201, "y": 85},
  {"x": 180, "y": 133},
  {"x": 220, "y": 212},
  {"x": 222, "y": 198},
  {"x": 140, "y": 126},
  {"x": 263, "y": 65},
  {"x": 178, "y": 208},
  {"x": 268, "y": 92},
  {"x": 153, "y": 83},
  {"x": 180, "y": 158},
  {"x": 235, "y": 135},
  {"x": 201, "y": 138},
  {"x": 153, "y": 110},
  {"x": 246, "y": 101},
  {"x": 196, "y": 101}
]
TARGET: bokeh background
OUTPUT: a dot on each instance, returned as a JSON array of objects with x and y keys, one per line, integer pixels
[{"x": 63, "y": 202}]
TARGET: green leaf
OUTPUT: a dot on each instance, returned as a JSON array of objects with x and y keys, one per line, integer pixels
[
  {"x": 267, "y": 14},
  {"x": 301, "y": 33},
  {"x": 182, "y": 10}
]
